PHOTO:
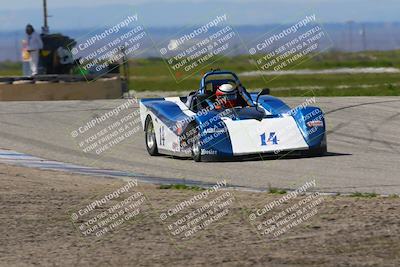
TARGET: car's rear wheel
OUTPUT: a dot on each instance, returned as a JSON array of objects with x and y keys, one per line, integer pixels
[{"x": 150, "y": 137}]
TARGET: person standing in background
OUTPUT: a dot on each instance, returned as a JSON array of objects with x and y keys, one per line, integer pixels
[
  {"x": 26, "y": 58},
  {"x": 34, "y": 45}
]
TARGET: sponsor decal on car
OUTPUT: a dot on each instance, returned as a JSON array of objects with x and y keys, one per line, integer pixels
[
  {"x": 214, "y": 130},
  {"x": 315, "y": 124},
  {"x": 175, "y": 146},
  {"x": 208, "y": 152}
]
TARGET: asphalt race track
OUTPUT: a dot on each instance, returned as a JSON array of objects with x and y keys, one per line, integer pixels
[{"x": 363, "y": 145}]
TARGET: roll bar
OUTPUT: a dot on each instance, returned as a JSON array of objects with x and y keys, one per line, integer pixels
[{"x": 216, "y": 72}]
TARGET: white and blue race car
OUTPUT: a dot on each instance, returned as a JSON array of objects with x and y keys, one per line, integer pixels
[{"x": 195, "y": 125}]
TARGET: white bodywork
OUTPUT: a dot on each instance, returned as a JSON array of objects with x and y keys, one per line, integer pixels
[
  {"x": 246, "y": 135},
  {"x": 167, "y": 140}
]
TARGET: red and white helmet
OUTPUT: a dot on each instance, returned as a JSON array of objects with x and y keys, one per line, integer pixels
[{"x": 227, "y": 94}]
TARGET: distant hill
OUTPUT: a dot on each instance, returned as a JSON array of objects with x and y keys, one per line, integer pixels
[{"x": 378, "y": 36}]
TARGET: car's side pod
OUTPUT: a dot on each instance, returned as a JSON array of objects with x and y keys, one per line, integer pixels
[{"x": 311, "y": 123}]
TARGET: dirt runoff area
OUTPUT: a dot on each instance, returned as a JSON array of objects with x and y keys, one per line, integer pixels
[{"x": 53, "y": 218}]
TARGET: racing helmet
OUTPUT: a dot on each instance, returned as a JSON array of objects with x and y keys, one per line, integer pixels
[{"x": 227, "y": 94}]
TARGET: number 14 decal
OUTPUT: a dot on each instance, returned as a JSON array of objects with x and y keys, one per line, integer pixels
[{"x": 272, "y": 139}]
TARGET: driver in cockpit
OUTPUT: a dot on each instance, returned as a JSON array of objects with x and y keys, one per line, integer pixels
[{"x": 227, "y": 96}]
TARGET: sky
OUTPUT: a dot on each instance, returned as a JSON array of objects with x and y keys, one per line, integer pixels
[{"x": 76, "y": 14}]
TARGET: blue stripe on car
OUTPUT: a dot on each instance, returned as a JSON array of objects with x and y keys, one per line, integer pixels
[
  {"x": 168, "y": 112},
  {"x": 218, "y": 141}
]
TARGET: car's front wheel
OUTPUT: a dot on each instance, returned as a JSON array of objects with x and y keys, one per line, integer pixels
[
  {"x": 150, "y": 137},
  {"x": 192, "y": 138},
  {"x": 196, "y": 147}
]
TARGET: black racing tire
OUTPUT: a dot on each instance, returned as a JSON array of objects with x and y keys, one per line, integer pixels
[
  {"x": 150, "y": 137},
  {"x": 317, "y": 152},
  {"x": 193, "y": 141},
  {"x": 196, "y": 148}
]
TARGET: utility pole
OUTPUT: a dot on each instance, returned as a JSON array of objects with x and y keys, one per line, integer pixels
[
  {"x": 17, "y": 47},
  {"x": 364, "y": 37},
  {"x": 350, "y": 25},
  {"x": 45, "y": 28}
]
